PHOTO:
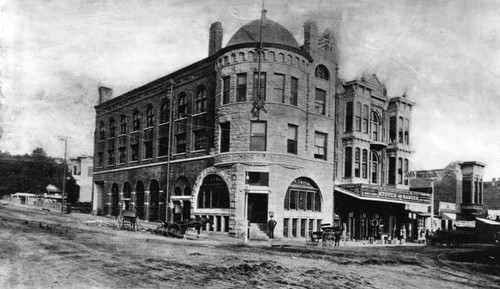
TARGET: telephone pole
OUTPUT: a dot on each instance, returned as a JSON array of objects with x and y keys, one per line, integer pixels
[{"x": 65, "y": 168}]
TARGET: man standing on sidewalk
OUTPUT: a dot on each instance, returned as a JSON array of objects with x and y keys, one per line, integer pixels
[{"x": 271, "y": 224}]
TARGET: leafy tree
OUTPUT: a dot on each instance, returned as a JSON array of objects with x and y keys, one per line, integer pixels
[{"x": 72, "y": 190}]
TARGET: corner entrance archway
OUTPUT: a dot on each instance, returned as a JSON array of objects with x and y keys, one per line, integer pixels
[{"x": 257, "y": 208}]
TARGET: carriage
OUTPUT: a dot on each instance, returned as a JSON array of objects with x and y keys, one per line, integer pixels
[
  {"x": 128, "y": 219},
  {"x": 328, "y": 236},
  {"x": 178, "y": 229}
]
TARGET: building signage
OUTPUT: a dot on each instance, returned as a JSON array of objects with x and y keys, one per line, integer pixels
[{"x": 387, "y": 193}]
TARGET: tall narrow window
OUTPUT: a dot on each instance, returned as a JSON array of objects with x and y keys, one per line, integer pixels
[
  {"x": 200, "y": 102},
  {"x": 393, "y": 129},
  {"x": 258, "y": 132},
  {"x": 357, "y": 162},
  {"x": 319, "y": 145},
  {"x": 262, "y": 85},
  {"x": 111, "y": 157},
  {"x": 348, "y": 116},
  {"x": 163, "y": 145},
  {"x": 400, "y": 171},
  {"x": 112, "y": 128},
  {"x": 182, "y": 106},
  {"x": 102, "y": 130},
  {"x": 407, "y": 131},
  {"x": 225, "y": 134},
  {"x": 279, "y": 87},
  {"x": 375, "y": 161},
  {"x": 165, "y": 111},
  {"x": 365, "y": 164},
  {"x": 365, "y": 118},
  {"x": 294, "y": 90},
  {"x": 241, "y": 90},
  {"x": 358, "y": 116},
  {"x": 392, "y": 171},
  {"x": 406, "y": 170},
  {"x": 292, "y": 139},
  {"x": 400, "y": 129},
  {"x": 122, "y": 154},
  {"x": 134, "y": 152},
  {"x": 226, "y": 88},
  {"x": 320, "y": 101},
  {"x": 123, "y": 125},
  {"x": 375, "y": 126},
  {"x": 150, "y": 116},
  {"x": 136, "y": 121},
  {"x": 348, "y": 162},
  {"x": 200, "y": 139},
  {"x": 148, "y": 149}
]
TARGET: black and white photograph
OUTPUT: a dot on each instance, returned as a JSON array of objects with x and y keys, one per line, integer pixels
[{"x": 249, "y": 144}]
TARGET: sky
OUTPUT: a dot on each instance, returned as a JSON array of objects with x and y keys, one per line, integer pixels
[{"x": 445, "y": 55}]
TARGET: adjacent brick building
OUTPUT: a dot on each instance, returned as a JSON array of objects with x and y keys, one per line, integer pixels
[{"x": 247, "y": 133}]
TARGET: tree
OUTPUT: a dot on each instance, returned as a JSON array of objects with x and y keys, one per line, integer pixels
[{"x": 72, "y": 191}]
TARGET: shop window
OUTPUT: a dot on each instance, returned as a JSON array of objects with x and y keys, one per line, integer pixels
[
  {"x": 286, "y": 224},
  {"x": 258, "y": 135},
  {"x": 150, "y": 116},
  {"x": 225, "y": 136},
  {"x": 292, "y": 139},
  {"x": 200, "y": 102},
  {"x": 348, "y": 117},
  {"x": 241, "y": 90},
  {"x": 262, "y": 89},
  {"x": 320, "y": 101},
  {"x": 294, "y": 90},
  {"x": 348, "y": 162},
  {"x": 213, "y": 193},
  {"x": 357, "y": 162},
  {"x": 320, "y": 145},
  {"x": 257, "y": 179},
  {"x": 279, "y": 87}
]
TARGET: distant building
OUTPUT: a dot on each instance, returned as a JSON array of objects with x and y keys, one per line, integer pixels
[
  {"x": 458, "y": 192},
  {"x": 81, "y": 169}
]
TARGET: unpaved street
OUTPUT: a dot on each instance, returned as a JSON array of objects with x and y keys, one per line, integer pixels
[{"x": 40, "y": 249}]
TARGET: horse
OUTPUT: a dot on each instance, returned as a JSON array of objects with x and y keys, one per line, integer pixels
[{"x": 196, "y": 223}]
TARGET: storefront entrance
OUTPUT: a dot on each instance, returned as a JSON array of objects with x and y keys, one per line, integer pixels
[{"x": 257, "y": 208}]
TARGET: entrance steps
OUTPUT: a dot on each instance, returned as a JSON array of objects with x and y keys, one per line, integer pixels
[{"x": 258, "y": 231}]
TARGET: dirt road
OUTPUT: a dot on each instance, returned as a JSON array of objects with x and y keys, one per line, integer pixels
[{"x": 40, "y": 249}]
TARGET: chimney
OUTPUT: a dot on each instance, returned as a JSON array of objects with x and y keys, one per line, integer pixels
[
  {"x": 215, "y": 38},
  {"x": 105, "y": 94},
  {"x": 310, "y": 35}
]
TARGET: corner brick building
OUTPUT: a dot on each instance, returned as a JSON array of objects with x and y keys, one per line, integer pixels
[{"x": 244, "y": 134}]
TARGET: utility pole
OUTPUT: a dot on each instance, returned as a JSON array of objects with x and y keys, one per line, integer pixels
[{"x": 65, "y": 168}]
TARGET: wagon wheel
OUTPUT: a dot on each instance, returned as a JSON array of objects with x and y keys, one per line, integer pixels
[
  {"x": 328, "y": 238},
  {"x": 311, "y": 239},
  {"x": 174, "y": 230},
  {"x": 120, "y": 222}
]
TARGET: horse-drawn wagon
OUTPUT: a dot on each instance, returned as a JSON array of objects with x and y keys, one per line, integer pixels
[
  {"x": 178, "y": 229},
  {"x": 128, "y": 219},
  {"x": 328, "y": 236}
]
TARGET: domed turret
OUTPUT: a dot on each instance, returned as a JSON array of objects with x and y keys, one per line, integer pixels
[{"x": 272, "y": 32}]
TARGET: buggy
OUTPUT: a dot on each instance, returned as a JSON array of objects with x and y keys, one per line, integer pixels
[
  {"x": 327, "y": 234},
  {"x": 128, "y": 220}
]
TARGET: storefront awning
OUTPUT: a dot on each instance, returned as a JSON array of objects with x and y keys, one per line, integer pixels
[{"x": 383, "y": 194}]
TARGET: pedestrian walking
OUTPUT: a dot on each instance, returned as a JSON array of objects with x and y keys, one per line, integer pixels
[{"x": 271, "y": 224}]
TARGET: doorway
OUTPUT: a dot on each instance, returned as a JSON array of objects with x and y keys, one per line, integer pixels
[{"x": 257, "y": 208}]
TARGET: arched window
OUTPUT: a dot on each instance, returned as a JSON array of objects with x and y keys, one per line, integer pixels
[
  {"x": 375, "y": 120},
  {"x": 303, "y": 195},
  {"x": 123, "y": 125},
  {"x": 112, "y": 128},
  {"x": 374, "y": 170},
  {"x": 213, "y": 193},
  {"x": 200, "y": 102},
  {"x": 181, "y": 105},
  {"x": 102, "y": 130},
  {"x": 150, "y": 116},
  {"x": 322, "y": 72},
  {"x": 136, "y": 121},
  {"x": 241, "y": 56},
  {"x": 164, "y": 111}
]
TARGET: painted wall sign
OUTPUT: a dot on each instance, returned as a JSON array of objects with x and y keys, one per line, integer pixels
[{"x": 378, "y": 192}]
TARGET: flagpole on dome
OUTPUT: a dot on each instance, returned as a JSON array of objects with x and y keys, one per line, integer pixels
[{"x": 258, "y": 103}]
